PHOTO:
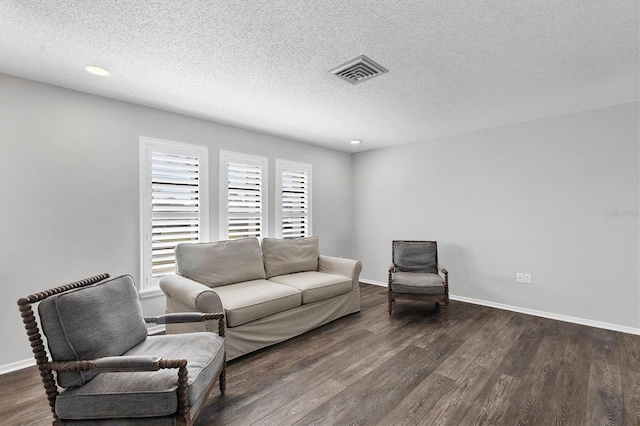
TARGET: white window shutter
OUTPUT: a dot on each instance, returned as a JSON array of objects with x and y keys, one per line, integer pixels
[
  {"x": 294, "y": 218},
  {"x": 175, "y": 214},
  {"x": 243, "y": 204},
  {"x": 245, "y": 200},
  {"x": 173, "y": 205}
]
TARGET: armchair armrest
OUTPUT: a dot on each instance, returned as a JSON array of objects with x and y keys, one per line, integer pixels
[
  {"x": 444, "y": 274},
  {"x": 340, "y": 266},
  {"x": 392, "y": 269},
  {"x": 198, "y": 297},
  {"x": 119, "y": 364},
  {"x": 182, "y": 317},
  {"x": 127, "y": 363}
]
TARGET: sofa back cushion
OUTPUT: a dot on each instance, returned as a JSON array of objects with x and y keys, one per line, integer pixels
[
  {"x": 220, "y": 263},
  {"x": 287, "y": 256},
  {"x": 104, "y": 319}
]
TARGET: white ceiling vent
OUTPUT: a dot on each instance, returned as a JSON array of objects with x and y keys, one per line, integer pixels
[{"x": 359, "y": 70}]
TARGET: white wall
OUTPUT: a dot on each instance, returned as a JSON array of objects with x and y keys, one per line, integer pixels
[
  {"x": 69, "y": 190},
  {"x": 531, "y": 197}
]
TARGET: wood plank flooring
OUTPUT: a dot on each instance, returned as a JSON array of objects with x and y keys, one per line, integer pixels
[{"x": 484, "y": 366}]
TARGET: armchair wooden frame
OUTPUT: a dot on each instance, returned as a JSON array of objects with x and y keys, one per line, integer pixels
[
  {"x": 444, "y": 298},
  {"x": 46, "y": 367}
]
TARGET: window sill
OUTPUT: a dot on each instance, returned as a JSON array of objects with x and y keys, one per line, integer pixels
[{"x": 153, "y": 292}]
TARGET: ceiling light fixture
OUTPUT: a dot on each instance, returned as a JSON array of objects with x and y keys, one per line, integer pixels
[
  {"x": 355, "y": 142},
  {"x": 96, "y": 70}
]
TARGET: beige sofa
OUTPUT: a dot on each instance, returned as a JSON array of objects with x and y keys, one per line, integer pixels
[{"x": 269, "y": 292}]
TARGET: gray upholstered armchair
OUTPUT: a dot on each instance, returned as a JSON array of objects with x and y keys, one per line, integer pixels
[
  {"x": 107, "y": 370},
  {"x": 415, "y": 274}
]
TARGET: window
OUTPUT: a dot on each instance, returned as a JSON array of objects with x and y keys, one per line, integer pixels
[
  {"x": 243, "y": 203},
  {"x": 173, "y": 204},
  {"x": 293, "y": 214}
]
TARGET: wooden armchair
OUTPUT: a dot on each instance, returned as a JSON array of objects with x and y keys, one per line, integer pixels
[
  {"x": 415, "y": 274},
  {"x": 107, "y": 370}
]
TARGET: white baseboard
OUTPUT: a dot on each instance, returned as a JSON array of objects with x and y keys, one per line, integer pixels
[
  {"x": 156, "y": 329},
  {"x": 366, "y": 281},
  {"x": 534, "y": 312},
  {"x": 550, "y": 315},
  {"x": 15, "y": 366}
]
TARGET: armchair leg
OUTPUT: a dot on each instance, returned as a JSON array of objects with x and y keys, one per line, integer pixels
[
  {"x": 223, "y": 380},
  {"x": 446, "y": 311},
  {"x": 390, "y": 293}
]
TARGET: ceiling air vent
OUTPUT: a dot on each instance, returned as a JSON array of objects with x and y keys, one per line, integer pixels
[{"x": 359, "y": 70}]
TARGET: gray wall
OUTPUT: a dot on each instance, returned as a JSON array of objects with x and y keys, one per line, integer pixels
[
  {"x": 533, "y": 197},
  {"x": 69, "y": 189}
]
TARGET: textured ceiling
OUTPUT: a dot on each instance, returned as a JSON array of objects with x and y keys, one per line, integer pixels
[{"x": 455, "y": 65}]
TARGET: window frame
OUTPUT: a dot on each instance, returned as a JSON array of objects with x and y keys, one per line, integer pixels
[
  {"x": 227, "y": 157},
  {"x": 148, "y": 286},
  {"x": 296, "y": 167}
]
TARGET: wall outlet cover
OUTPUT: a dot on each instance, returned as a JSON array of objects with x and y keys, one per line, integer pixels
[
  {"x": 519, "y": 277},
  {"x": 527, "y": 278}
]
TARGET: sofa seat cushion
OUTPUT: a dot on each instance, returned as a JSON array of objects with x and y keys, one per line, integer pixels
[
  {"x": 252, "y": 300},
  {"x": 156, "y": 395},
  {"x": 316, "y": 285},
  {"x": 417, "y": 283}
]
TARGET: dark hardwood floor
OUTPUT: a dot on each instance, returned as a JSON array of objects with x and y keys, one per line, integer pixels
[{"x": 485, "y": 366}]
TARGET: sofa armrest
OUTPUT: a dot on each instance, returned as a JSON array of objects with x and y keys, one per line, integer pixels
[
  {"x": 340, "y": 266},
  {"x": 196, "y": 296}
]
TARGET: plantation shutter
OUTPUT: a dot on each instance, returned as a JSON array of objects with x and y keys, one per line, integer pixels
[
  {"x": 245, "y": 200},
  {"x": 295, "y": 203},
  {"x": 176, "y": 208}
]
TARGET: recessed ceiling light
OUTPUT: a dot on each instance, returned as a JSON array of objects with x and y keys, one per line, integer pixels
[
  {"x": 96, "y": 70},
  {"x": 355, "y": 142}
]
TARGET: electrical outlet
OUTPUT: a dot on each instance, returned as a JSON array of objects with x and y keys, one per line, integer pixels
[
  {"x": 519, "y": 277},
  {"x": 527, "y": 278}
]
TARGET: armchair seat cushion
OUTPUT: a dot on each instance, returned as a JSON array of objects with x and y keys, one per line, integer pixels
[
  {"x": 316, "y": 285},
  {"x": 417, "y": 283},
  {"x": 252, "y": 300},
  {"x": 147, "y": 394}
]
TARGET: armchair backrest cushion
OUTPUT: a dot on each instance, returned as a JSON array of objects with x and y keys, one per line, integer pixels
[
  {"x": 220, "y": 263},
  {"x": 416, "y": 256},
  {"x": 287, "y": 256},
  {"x": 104, "y": 319}
]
